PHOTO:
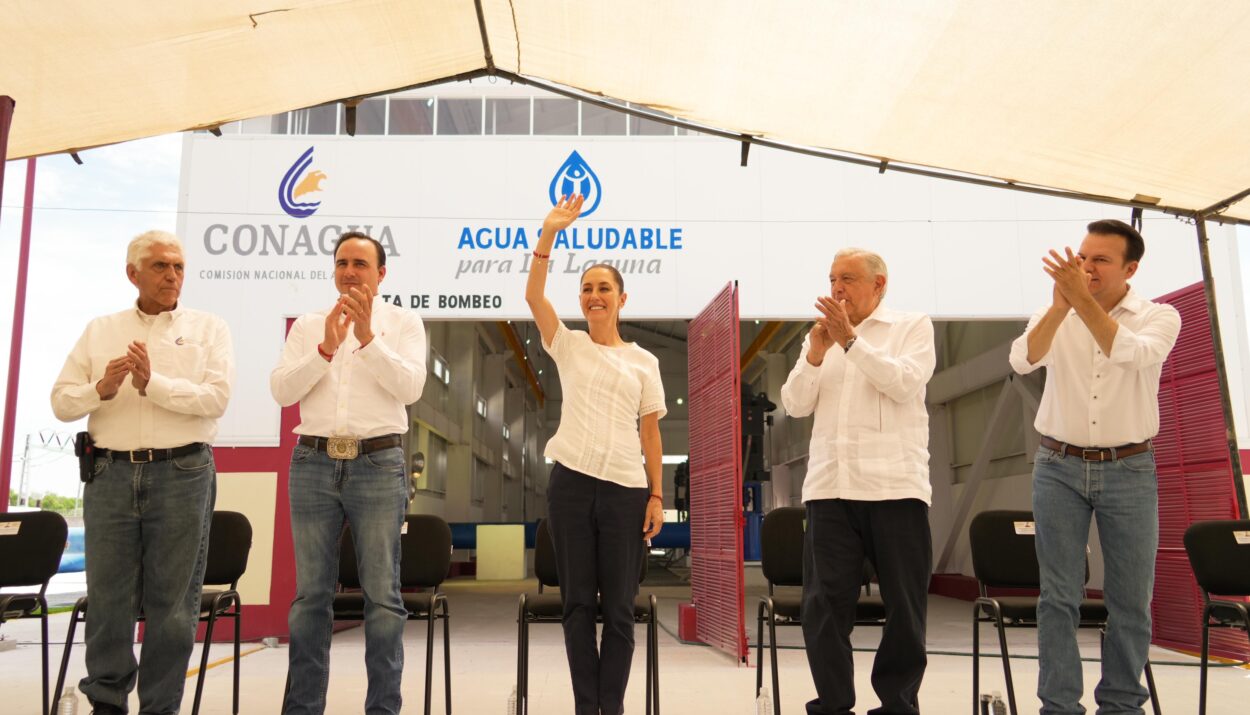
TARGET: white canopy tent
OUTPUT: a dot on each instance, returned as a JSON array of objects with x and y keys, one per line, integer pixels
[{"x": 1131, "y": 101}]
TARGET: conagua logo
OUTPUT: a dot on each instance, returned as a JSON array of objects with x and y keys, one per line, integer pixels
[
  {"x": 296, "y": 184},
  {"x": 576, "y": 177}
]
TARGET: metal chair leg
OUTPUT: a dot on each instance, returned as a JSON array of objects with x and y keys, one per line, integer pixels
[
  {"x": 447, "y": 652},
  {"x": 213, "y": 608},
  {"x": 521, "y": 648},
  {"x": 1002, "y": 646},
  {"x": 238, "y": 633},
  {"x": 43, "y": 623},
  {"x": 1206, "y": 650},
  {"x": 1154, "y": 693},
  {"x": 74, "y": 619},
  {"x": 429, "y": 655},
  {"x": 772, "y": 655},
  {"x": 759, "y": 649},
  {"x": 976, "y": 658},
  {"x": 655, "y": 645}
]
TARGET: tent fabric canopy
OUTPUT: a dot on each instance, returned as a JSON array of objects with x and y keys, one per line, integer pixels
[{"x": 1129, "y": 99}]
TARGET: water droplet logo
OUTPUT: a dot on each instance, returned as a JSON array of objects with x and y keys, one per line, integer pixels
[
  {"x": 576, "y": 177},
  {"x": 296, "y": 184}
]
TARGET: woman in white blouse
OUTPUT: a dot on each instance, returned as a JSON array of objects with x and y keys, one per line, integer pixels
[{"x": 601, "y": 502}]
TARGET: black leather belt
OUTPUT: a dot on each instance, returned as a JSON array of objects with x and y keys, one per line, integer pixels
[
  {"x": 363, "y": 446},
  {"x": 143, "y": 456},
  {"x": 1096, "y": 454}
]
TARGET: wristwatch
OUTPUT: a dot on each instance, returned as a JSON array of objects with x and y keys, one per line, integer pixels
[{"x": 849, "y": 343}]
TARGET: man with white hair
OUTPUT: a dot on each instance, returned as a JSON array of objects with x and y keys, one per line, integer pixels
[
  {"x": 152, "y": 381},
  {"x": 862, "y": 372}
]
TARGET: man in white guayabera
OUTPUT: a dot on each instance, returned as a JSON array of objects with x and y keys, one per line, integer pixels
[{"x": 862, "y": 372}]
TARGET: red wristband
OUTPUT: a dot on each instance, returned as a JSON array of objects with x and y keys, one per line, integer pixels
[
  {"x": 543, "y": 256},
  {"x": 323, "y": 354},
  {"x": 656, "y": 497}
]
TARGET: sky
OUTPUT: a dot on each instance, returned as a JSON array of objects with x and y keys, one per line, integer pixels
[{"x": 83, "y": 218}]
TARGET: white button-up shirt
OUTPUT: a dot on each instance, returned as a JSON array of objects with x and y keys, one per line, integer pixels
[
  {"x": 1096, "y": 400},
  {"x": 192, "y": 367},
  {"x": 362, "y": 392},
  {"x": 606, "y": 389},
  {"x": 871, "y": 437}
]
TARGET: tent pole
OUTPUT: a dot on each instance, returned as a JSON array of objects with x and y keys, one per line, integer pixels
[
  {"x": 6, "y": 440},
  {"x": 1230, "y": 434}
]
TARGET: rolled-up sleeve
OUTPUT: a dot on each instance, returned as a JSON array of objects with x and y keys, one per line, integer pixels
[
  {"x": 1019, "y": 357},
  {"x": 1150, "y": 344}
]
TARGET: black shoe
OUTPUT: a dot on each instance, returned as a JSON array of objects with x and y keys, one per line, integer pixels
[{"x": 106, "y": 709}]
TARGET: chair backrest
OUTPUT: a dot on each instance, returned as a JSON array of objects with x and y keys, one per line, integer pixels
[
  {"x": 1003, "y": 551},
  {"x": 545, "y": 558},
  {"x": 781, "y": 546},
  {"x": 229, "y": 544},
  {"x": 30, "y": 552},
  {"x": 1219, "y": 553},
  {"x": 425, "y": 553}
]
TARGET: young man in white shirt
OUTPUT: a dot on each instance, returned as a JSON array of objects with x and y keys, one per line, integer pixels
[
  {"x": 863, "y": 371},
  {"x": 152, "y": 381},
  {"x": 353, "y": 370},
  {"x": 1103, "y": 348}
]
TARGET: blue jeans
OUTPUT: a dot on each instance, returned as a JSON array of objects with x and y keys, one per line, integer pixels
[
  {"x": 371, "y": 493},
  {"x": 146, "y": 539},
  {"x": 1123, "y": 496}
]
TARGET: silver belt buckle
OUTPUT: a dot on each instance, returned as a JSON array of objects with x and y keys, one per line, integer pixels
[
  {"x": 136, "y": 456},
  {"x": 1085, "y": 452},
  {"x": 342, "y": 447}
]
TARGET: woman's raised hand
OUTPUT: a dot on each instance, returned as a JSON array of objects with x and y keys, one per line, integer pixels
[{"x": 563, "y": 214}]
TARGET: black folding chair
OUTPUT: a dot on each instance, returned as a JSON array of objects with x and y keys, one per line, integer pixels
[
  {"x": 781, "y": 560},
  {"x": 1004, "y": 556},
  {"x": 424, "y": 563},
  {"x": 31, "y": 544},
  {"x": 544, "y": 607},
  {"x": 229, "y": 545},
  {"x": 1219, "y": 553}
]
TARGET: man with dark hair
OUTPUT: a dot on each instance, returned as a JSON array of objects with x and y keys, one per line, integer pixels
[
  {"x": 1103, "y": 346},
  {"x": 358, "y": 235},
  {"x": 352, "y": 369},
  {"x": 1135, "y": 248}
]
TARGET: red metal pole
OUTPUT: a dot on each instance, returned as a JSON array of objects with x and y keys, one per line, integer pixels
[{"x": 19, "y": 307}]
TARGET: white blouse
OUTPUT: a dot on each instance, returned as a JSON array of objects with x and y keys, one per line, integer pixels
[{"x": 606, "y": 389}]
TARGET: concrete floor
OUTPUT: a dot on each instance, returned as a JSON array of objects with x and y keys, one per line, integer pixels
[{"x": 692, "y": 678}]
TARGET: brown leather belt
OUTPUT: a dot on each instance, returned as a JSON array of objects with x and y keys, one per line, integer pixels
[
  {"x": 1096, "y": 454},
  {"x": 364, "y": 446}
]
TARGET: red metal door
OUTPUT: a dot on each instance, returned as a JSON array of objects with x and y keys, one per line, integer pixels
[
  {"x": 1195, "y": 477},
  {"x": 716, "y": 576}
]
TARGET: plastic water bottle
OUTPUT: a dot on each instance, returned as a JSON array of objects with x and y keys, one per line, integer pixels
[
  {"x": 1000, "y": 707},
  {"x": 68, "y": 704},
  {"x": 764, "y": 703},
  {"x": 512, "y": 702}
]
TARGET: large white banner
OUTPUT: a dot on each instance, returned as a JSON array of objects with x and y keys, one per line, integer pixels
[{"x": 460, "y": 216}]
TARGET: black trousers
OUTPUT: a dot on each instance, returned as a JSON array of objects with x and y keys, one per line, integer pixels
[
  {"x": 894, "y": 536},
  {"x": 596, "y": 528}
]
